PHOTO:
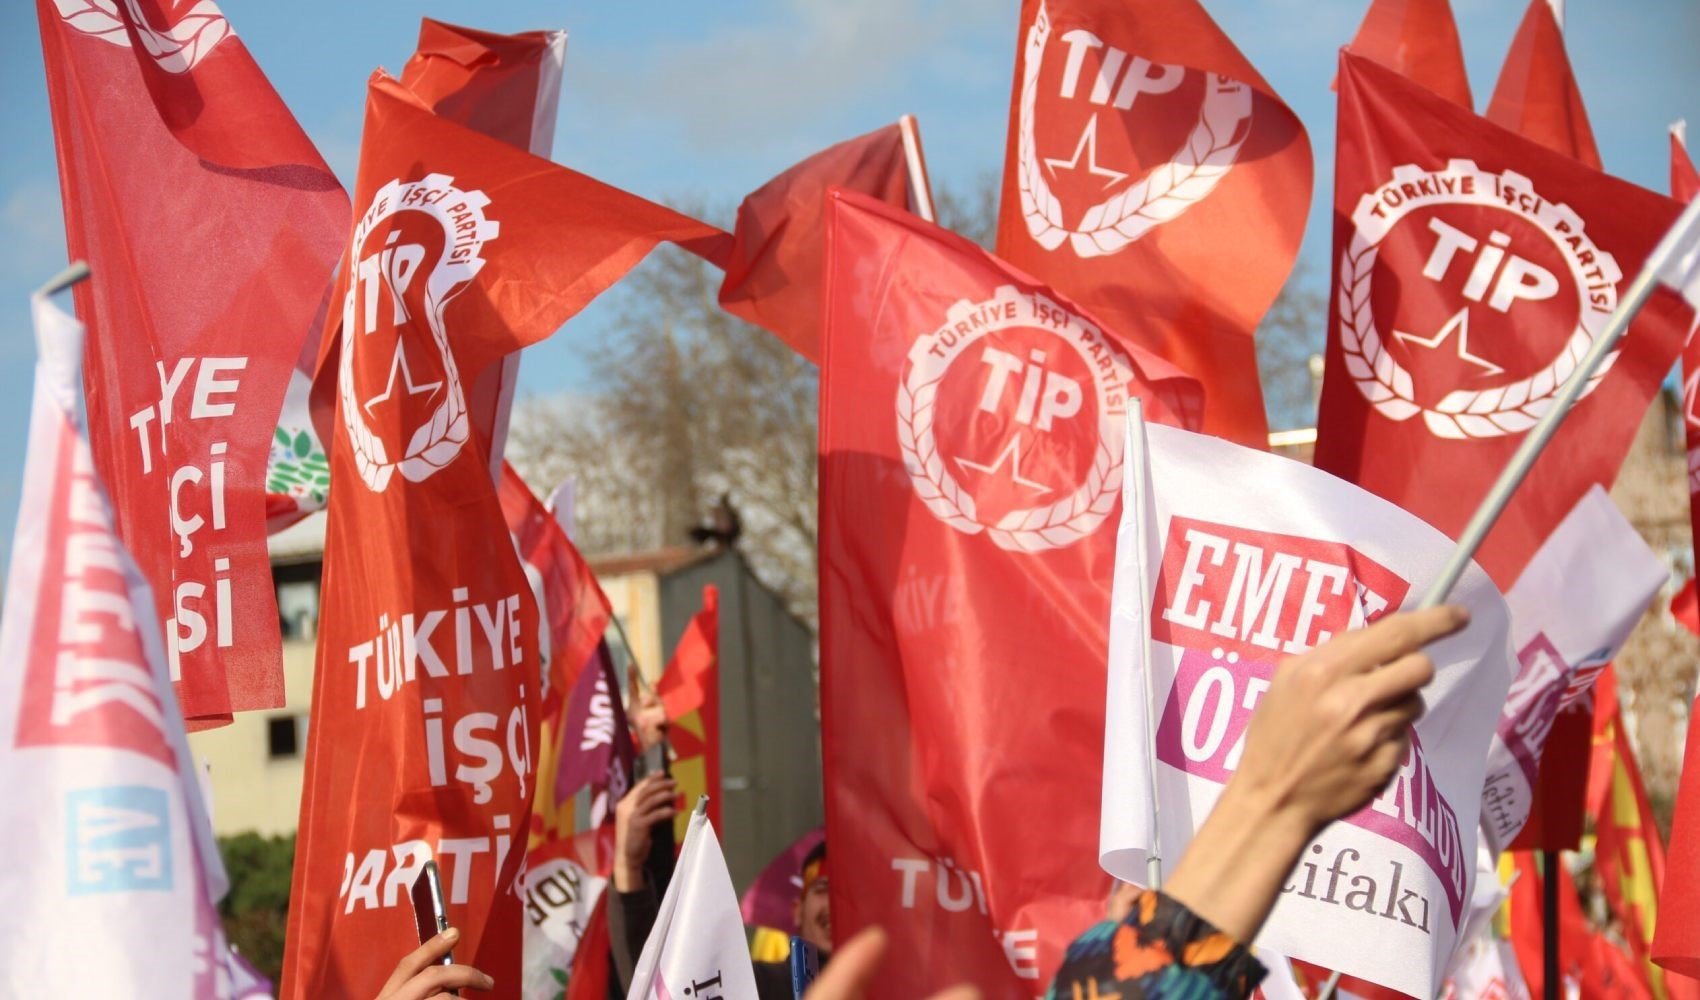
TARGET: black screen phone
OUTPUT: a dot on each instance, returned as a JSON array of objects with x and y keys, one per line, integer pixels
[{"x": 430, "y": 915}]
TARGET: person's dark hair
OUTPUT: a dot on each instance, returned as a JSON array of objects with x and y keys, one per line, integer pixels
[{"x": 818, "y": 853}]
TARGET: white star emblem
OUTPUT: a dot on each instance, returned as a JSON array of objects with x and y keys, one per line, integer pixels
[
  {"x": 1461, "y": 324},
  {"x": 398, "y": 365},
  {"x": 1088, "y": 145},
  {"x": 1011, "y": 452}
]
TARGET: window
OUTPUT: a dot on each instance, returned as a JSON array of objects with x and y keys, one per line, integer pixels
[
  {"x": 283, "y": 736},
  {"x": 298, "y": 608}
]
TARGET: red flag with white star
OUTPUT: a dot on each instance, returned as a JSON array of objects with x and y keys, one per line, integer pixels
[
  {"x": 425, "y": 698},
  {"x": 1146, "y": 159},
  {"x": 1473, "y": 268},
  {"x": 971, "y": 466}
]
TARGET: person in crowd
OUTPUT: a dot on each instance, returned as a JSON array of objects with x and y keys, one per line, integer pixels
[
  {"x": 1328, "y": 736},
  {"x": 813, "y": 910},
  {"x": 638, "y": 882}
]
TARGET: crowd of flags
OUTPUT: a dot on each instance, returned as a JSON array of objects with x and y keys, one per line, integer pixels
[{"x": 1035, "y": 463}]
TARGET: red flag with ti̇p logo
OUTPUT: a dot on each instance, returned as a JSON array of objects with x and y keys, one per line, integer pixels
[
  {"x": 1147, "y": 159},
  {"x": 1419, "y": 40},
  {"x": 971, "y": 450},
  {"x": 211, "y": 225},
  {"x": 425, "y": 698},
  {"x": 1474, "y": 268}
]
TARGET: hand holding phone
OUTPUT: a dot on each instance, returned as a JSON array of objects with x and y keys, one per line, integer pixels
[{"x": 430, "y": 915}]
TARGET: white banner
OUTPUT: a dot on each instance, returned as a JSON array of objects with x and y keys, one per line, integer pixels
[
  {"x": 110, "y": 870},
  {"x": 697, "y": 947},
  {"x": 1243, "y": 559},
  {"x": 1572, "y": 609},
  {"x": 559, "y": 899}
]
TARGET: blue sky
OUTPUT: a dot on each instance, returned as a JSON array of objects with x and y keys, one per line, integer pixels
[{"x": 669, "y": 98}]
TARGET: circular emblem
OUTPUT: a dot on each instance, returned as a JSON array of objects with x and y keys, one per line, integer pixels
[
  {"x": 1111, "y": 208},
  {"x": 1030, "y": 447},
  {"x": 176, "y": 48},
  {"x": 417, "y": 246},
  {"x": 1460, "y": 221}
]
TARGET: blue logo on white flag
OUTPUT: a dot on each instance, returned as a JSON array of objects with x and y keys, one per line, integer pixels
[{"x": 118, "y": 839}]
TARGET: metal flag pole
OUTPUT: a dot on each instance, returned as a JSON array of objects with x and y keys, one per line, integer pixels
[
  {"x": 920, "y": 187},
  {"x": 1137, "y": 462},
  {"x": 78, "y": 271},
  {"x": 1676, "y": 240}
]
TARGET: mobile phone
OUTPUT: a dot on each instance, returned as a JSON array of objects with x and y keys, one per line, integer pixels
[
  {"x": 430, "y": 916},
  {"x": 805, "y": 965}
]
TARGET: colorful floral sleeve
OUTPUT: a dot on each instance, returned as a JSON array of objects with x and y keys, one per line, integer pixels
[{"x": 1162, "y": 950}]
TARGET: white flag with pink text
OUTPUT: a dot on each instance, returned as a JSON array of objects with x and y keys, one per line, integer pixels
[
  {"x": 110, "y": 870},
  {"x": 1234, "y": 561}
]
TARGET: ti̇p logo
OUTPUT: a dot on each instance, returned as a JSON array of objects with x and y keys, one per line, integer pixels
[
  {"x": 1010, "y": 420},
  {"x": 1467, "y": 297},
  {"x": 1098, "y": 169}
]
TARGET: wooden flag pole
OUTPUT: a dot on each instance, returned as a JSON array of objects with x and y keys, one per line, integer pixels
[{"x": 920, "y": 187}]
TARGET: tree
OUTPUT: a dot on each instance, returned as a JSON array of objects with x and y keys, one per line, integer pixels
[{"x": 256, "y": 909}]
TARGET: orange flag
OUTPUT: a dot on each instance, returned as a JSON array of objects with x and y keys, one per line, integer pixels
[
  {"x": 690, "y": 690},
  {"x": 1417, "y": 39},
  {"x": 1537, "y": 96},
  {"x": 1629, "y": 854},
  {"x": 425, "y": 707},
  {"x": 1146, "y": 160}
]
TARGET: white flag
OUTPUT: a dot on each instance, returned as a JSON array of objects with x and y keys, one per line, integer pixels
[
  {"x": 560, "y": 896},
  {"x": 697, "y": 948},
  {"x": 1236, "y": 560},
  {"x": 1572, "y": 609},
  {"x": 110, "y": 870}
]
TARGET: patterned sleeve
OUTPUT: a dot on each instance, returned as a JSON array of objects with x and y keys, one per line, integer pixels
[{"x": 1162, "y": 951}]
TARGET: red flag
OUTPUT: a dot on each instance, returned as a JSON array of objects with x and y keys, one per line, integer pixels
[
  {"x": 1524, "y": 910},
  {"x": 575, "y": 610},
  {"x": 590, "y": 973},
  {"x": 1419, "y": 40},
  {"x": 1685, "y": 605},
  {"x": 1676, "y": 939},
  {"x": 425, "y": 700},
  {"x": 1537, "y": 96},
  {"x": 1629, "y": 853},
  {"x": 508, "y": 87},
  {"x": 685, "y": 684},
  {"x": 690, "y": 691},
  {"x": 1146, "y": 159},
  {"x": 971, "y": 447},
  {"x": 211, "y": 225},
  {"x": 1475, "y": 267},
  {"x": 773, "y": 259}
]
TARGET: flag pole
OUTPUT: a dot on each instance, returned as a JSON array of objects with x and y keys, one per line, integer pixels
[
  {"x": 78, "y": 271},
  {"x": 1141, "y": 507},
  {"x": 918, "y": 183},
  {"x": 1686, "y": 230}
]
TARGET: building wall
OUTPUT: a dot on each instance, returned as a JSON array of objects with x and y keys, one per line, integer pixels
[
  {"x": 251, "y": 788},
  {"x": 770, "y": 733}
]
